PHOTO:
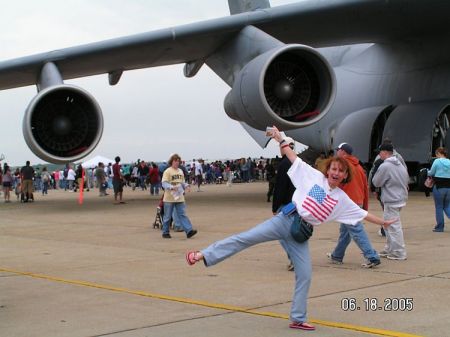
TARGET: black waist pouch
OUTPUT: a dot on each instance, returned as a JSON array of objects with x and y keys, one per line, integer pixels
[{"x": 301, "y": 231}]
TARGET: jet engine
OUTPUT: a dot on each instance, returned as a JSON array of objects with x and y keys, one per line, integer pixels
[
  {"x": 62, "y": 123},
  {"x": 291, "y": 86}
]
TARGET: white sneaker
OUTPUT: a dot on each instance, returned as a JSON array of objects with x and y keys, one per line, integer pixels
[
  {"x": 370, "y": 264},
  {"x": 398, "y": 258},
  {"x": 383, "y": 253},
  {"x": 333, "y": 260}
]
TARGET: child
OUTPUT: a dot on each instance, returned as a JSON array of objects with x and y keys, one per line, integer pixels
[{"x": 18, "y": 189}]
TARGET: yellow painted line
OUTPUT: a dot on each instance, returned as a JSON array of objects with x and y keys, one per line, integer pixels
[{"x": 345, "y": 326}]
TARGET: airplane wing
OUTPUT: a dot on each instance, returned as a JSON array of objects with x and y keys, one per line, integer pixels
[{"x": 315, "y": 23}]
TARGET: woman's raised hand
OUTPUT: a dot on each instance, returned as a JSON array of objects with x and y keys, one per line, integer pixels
[{"x": 276, "y": 134}]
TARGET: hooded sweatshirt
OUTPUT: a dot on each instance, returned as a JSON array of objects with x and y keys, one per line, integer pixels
[
  {"x": 440, "y": 170},
  {"x": 393, "y": 179},
  {"x": 357, "y": 189}
]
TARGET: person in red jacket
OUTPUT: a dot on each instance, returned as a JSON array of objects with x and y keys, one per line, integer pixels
[
  {"x": 358, "y": 191},
  {"x": 154, "y": 179}
]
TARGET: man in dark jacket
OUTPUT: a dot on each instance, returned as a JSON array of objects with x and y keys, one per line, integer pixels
[
  {"x": 283, "y": 188},
  {"x": 270, "y": 176}
]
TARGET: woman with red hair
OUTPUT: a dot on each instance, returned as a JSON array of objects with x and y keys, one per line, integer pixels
[{"x": 317, "y": 199}]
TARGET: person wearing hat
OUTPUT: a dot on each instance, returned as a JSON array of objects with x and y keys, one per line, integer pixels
[
  {"x": 358, "y": 191},
  {"x": 283, "y": 189},
  {"x": 392, "y": 177},
  {"x": 376, "y": 163}
]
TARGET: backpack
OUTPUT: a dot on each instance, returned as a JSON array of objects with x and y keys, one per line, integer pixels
[{"x": 66, "y": 173}]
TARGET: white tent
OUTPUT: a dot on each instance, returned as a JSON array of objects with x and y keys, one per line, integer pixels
[{"x": 93, "y": 162}]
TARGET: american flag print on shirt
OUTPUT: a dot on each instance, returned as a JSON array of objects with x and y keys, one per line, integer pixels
[{"x": 318, "y": 203}]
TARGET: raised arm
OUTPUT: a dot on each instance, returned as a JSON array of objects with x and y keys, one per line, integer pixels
[{"x": 284, "y": 146}]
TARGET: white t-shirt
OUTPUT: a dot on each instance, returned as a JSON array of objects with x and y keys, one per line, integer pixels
[
  {"x": 71, "y": 174},
  {"x": 316, "y": 202},
  {"x": 135, "y": 172},
  {"x": 198, "y": 169}
]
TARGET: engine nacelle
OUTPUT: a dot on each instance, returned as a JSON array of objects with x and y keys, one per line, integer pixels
[
  {"x": 63, "y": 123},
  {"x": 291, "y": 86}
]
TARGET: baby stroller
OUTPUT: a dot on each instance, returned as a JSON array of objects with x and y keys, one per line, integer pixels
[
  {"x": 158, "y": 223},
  {"x": 159, "y": 215}
]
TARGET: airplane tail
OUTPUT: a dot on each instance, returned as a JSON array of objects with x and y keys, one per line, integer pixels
[{"x": 241, "y": 6}]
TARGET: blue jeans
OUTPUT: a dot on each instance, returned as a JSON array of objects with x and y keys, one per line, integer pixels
[
  {"x": 182, "y": 219},
  {"x": 142, "y": 182},
  {"x": 245, "y": 175},
  {"x": 276, "y": 228},
  {"x": 359, "y": 235},
  {"x": 44, "y": 187},
  {"x": 441, "y": 198},
  {"x": 176, "y": 220},
  {"x": 154, "y": 189}
]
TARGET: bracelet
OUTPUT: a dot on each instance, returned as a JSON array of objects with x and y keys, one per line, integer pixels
[
  {"x": 282, "y": 141},
  {"x": 285, "y": 145}
]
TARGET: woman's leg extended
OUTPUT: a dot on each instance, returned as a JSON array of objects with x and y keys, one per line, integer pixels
[{"x": 276, "y": 228}]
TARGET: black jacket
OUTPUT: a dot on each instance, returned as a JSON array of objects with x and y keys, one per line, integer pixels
[{"x": 284, "y": 189}]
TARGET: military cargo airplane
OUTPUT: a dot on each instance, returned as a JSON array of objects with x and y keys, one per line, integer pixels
[{"x": 324, "y": 71}]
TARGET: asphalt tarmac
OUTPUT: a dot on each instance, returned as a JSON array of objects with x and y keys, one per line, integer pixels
[{"x": 100, "y": 269}]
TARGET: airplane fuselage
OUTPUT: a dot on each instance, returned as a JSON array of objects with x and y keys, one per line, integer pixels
[{"x": 380, "y": 75}]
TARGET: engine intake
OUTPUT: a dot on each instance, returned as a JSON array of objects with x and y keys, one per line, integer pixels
[
  {"x": 62, "y": 124},
  {"x": 291, "y": 86}
]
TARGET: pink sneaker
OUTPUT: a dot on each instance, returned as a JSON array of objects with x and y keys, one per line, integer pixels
[
  {"x": 302, "y": 326},
  {"x": 192, "y": 257}
]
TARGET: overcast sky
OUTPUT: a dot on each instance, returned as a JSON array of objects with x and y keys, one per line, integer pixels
[{"x": 136, "y": 110}]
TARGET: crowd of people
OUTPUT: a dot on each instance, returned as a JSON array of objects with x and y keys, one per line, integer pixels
[{"x": 138, "y": 175}]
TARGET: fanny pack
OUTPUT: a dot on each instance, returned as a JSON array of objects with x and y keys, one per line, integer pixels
[{"x": 301, "y": 231}]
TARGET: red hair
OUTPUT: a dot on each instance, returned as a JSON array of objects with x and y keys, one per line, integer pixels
[{"x": 343, "y": 163}]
